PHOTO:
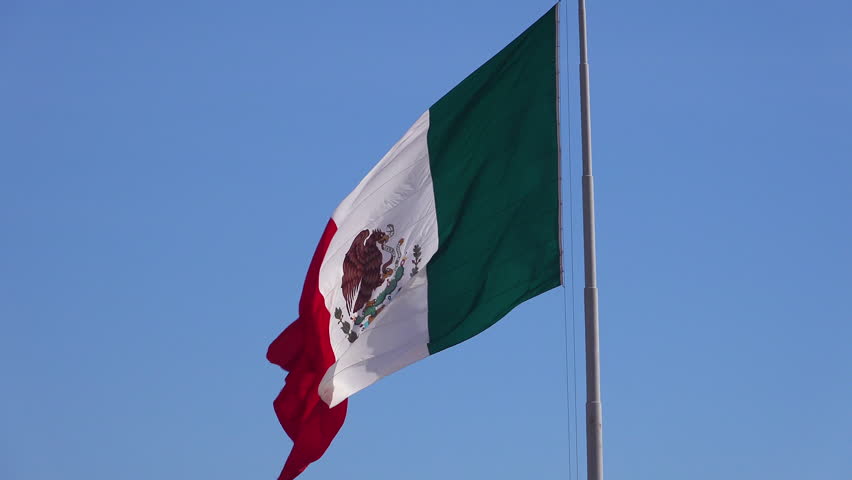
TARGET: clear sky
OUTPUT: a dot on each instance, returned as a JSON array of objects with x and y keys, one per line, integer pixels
[{"x": 167, "y": 167}]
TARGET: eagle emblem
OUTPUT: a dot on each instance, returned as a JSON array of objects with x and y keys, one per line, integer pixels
[
  {"x": 365, "y": 269},
  {"x": 362, "y": 268}
]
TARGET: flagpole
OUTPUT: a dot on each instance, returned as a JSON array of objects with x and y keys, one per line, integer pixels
[{"x": 594, "y": 442}]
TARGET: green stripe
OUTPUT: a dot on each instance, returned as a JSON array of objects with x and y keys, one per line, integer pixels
[{"x": 493, "y": 155}]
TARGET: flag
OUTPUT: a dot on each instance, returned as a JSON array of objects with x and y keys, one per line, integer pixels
[{"x": 454, "y": 227}]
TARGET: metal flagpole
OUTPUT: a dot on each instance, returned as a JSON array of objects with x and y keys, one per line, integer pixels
[{"x": 594, "y": 443}]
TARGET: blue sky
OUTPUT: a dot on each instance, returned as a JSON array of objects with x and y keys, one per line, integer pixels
[{"x": 166, "y": 169}]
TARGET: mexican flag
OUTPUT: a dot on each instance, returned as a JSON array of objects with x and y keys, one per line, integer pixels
[{"x": 454, "y": 227}]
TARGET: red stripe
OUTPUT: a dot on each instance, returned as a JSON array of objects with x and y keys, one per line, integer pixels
[{"x": 304, "y": 350}]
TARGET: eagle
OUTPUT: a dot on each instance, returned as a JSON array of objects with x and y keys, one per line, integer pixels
[{"x": 363, "y": 269}]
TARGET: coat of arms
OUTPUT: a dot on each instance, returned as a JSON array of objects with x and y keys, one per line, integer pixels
[{"x": 365, "y": 270}]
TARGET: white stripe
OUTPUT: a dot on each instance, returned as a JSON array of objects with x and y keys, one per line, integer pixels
[{"x": 397, "y": 191}]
